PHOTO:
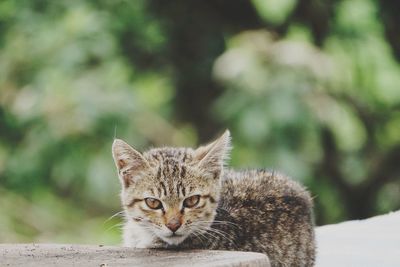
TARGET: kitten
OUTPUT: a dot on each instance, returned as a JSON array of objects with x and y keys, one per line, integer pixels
[{"x": 185, "y": 198}]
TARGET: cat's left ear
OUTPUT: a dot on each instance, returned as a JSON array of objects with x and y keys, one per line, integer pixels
[{"x": 213, "y": 156}]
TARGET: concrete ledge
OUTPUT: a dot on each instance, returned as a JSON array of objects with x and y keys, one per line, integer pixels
[
  {"x": 84, "y": 255},
  {"x": 370, "y": 242}
]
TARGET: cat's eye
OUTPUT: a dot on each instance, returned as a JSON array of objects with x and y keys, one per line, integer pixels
[
  {"x": 192, "y": 201},
  {"x": 153, "y": 203}
]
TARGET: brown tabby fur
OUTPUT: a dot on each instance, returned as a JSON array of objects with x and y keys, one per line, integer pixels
[{"x": 253, "y": 210}]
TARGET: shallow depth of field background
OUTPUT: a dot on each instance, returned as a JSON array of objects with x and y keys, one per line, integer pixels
[{"x": 307, "y": 87}]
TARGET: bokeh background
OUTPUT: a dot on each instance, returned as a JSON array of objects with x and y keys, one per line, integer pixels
[{"x": 307, "y": 87}]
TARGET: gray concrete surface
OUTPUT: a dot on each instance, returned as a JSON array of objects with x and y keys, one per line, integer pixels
[
  {"x": 46, "y": 255},
  {"x": 363, "y": 243}
]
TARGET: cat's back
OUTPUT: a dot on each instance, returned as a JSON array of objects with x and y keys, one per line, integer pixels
[
  {"x": 275, "y": 209},
  {"x": 261, "y": 185}
]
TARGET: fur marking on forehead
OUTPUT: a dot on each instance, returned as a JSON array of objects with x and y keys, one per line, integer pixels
[{"x": 166, "y": 154}]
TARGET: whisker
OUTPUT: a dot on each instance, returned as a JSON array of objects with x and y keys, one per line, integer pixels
[
  {"x": 113, "y": 226},
  {"x": 214, "y": 233},
  {"x": 217, "y": 231},
  {"x": 220, "y": 231},
  {"x": 220, "y": 223},
  {"x": 119, "y": 213},
  {"x": 200, "y": 236}
]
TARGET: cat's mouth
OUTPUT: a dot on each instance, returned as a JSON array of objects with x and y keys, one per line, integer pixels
[
  {"x": 174, "y": 239},
  {"x": 175, "y": 235}
]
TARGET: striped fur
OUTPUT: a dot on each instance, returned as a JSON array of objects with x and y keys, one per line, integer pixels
[{"x": 251, "y": 210}]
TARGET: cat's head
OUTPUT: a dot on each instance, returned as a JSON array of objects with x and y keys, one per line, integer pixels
[{"x": 171, "y": 192}]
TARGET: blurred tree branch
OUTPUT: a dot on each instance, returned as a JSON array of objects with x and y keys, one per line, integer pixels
[
  {"x": 389, "y": 12},
  {"x": 360, "y": 199},
  {"x": 315, "y": 14},
  {"x": 197, "y": 42}
]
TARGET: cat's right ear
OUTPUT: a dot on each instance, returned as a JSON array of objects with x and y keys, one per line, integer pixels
[{"x": 129, "y": 162}]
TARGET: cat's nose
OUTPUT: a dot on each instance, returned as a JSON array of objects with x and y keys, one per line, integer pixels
[{"x": 173, "y": 225}]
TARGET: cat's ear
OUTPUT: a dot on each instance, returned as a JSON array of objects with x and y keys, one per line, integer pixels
[
  {"x": 212, "y": 157},
  {"x": 129, "y": 162}
]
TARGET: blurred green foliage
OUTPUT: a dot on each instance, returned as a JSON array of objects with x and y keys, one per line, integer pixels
[{"x": 306, "y": 87}]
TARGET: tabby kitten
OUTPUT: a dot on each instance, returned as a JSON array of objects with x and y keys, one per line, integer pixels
[{"x": 185, "y": 198}]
